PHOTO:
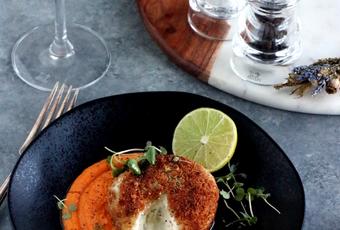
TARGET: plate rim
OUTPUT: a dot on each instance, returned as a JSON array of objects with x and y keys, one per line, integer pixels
[{"x": 110, "y": 98}]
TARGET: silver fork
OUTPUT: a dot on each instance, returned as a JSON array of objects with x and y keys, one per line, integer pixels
[{"x": 61, "y": 99}]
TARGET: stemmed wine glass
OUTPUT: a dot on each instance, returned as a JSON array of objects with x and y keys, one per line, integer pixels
[{"x": 76, "y": 55}]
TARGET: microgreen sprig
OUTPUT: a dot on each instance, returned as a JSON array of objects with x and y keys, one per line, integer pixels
[
  {"x": 148, "y": 158},
  {"x": 67, "y": 209},
  {"x": 236, "y": 191}
]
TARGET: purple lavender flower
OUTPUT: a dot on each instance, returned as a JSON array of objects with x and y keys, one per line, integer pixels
[
  {"x": 307, "y": 73},
  {"x": 321, "y": 85}
]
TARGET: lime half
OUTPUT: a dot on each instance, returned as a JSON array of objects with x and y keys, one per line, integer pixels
[{"x": 206, "y": 136}]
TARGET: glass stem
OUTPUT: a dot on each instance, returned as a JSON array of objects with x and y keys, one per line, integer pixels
[{"x": 61, "y": 47}]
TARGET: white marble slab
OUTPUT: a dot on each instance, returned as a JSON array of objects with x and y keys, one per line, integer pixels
[{"x": 320, "y": 29}]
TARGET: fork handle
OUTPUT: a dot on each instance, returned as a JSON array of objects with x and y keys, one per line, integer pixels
[{"x": 4, "y": 188}]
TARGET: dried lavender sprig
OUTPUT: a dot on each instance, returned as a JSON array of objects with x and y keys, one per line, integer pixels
[{"x": 323, "y": 74}]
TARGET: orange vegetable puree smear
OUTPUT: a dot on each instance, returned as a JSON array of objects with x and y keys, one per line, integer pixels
[{"x": 89, "y": 194}]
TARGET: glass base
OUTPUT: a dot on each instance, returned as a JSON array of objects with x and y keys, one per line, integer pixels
[
  {"x": 33, "y": 63},
  {"x": 258, "y": 73},
  {"x": 209, "y": 25}
]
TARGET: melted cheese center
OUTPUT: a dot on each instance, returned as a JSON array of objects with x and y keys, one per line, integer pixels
[{"x": 156, "y": 216}]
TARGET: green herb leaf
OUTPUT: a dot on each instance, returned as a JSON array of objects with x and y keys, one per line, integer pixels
[
  {"x": 148, "y": 145},
  {"x": 252, "y": 220},
  {"x": 108, "y": 159},
  {"x": 240, "y": 193},
  {"x": 252, "y": 191},
  {"x": 67, "y": 216},
  {"x": 238, "y": 184},
  {"x": 225, "y": 194},
  {"x": 133, "y": 166},
  {"x": 60, "y": 202},
  {"x": 150, "y": 155},
  {"x": 225, "y": 178},
  {"x": 260, "y": 190},
  {"x": 72, "y": 207},
  {"x": 219, "y": 179},
  {"x": 163, "y": 150},
  {"x": 232, "y": 168},
  {"x": 265, "y": 196},
  {"x": 60, "y": 205},
  {"x": 260, "y": 193}
]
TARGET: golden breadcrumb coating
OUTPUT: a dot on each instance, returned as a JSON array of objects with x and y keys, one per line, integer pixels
[{"x": 191, "y": 191}]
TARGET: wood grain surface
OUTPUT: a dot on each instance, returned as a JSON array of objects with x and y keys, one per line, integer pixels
[{"x": 166, "y": 20}]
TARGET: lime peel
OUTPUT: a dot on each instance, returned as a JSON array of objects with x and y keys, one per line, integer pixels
[{"x": 207, "y": 136}]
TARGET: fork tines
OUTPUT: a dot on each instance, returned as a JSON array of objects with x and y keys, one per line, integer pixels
[{"x": 61, "y": 99}]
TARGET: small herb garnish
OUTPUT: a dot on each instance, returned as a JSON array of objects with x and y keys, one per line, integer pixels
[
  {"x": 244, "y": 197},
  {"x": 133, "y": 166},
  {"x": 67, "y": 210},
  {"x": 149, "y": 157},
  {"x": 72, "y": 208}
]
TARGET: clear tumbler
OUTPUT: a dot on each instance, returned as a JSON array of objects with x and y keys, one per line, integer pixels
[{"x": 215, "y": 19}]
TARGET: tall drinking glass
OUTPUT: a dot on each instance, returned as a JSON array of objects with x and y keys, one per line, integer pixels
[
  {"x": 215, "y": 19},
  {"x": 76, "y": 55}
]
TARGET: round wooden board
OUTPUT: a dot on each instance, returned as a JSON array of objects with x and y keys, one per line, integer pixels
[
  {"x": 208, "y": 60},
  {"x": 166, "y": 20}
]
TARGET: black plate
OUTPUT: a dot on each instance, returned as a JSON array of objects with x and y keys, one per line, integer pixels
[{"x": 76, "y": 141}]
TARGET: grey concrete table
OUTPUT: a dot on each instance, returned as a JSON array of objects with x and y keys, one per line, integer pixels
[{"x": 311, "y": 142}]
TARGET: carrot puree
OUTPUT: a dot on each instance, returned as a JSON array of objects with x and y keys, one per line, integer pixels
[{"x": 89, "y": 193}]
